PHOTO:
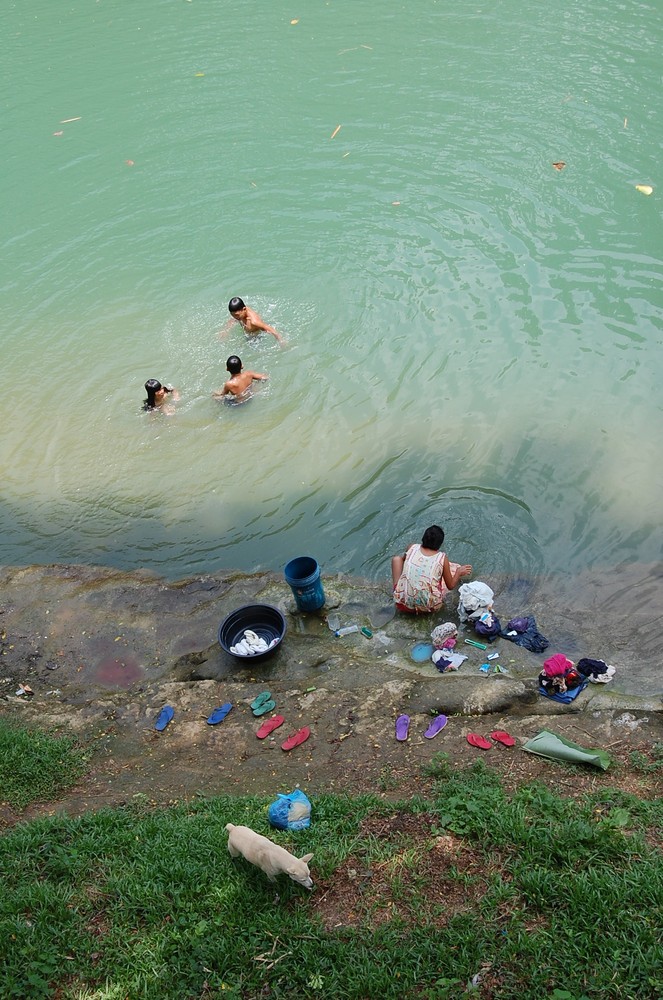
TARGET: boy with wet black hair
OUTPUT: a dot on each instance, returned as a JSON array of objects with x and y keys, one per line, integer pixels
[
  {"x": 250, "y": 320},
  {"x": 239, "y": 382}
]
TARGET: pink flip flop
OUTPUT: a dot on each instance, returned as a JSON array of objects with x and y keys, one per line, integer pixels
[
  {"x": 438, "y": 723},
  {"x": 295, "y": 739},
  {"x": 501, "y": 737},
  {"x": 478, "y": 741},
  {"x": 269, "y": 726},
  {"x": 402, "y": 727}
]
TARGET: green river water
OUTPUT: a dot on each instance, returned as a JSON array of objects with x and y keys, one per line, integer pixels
[{"x": 473, "y": 336}]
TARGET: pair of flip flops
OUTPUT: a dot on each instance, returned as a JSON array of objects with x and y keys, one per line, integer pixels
[
  {"x": 403, "y": 727},
  {"x": 262, "y": 704},
  {"x": 294, "y": 740},
  {"x": 483, "y": 744},
  {"x": 167, "y": 713}
]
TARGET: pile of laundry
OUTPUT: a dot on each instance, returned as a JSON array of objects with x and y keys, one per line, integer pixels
[
  {"x": 251, "y": 644},
  {"x": 444, "y": 637},
  {"x": 476, "y": 607},
  {"x": 562, "y": 680}
]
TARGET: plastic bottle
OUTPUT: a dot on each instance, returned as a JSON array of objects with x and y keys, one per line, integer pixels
[
  {"x": 333, "y": 622},
  {"x": 347, "y": 630}
]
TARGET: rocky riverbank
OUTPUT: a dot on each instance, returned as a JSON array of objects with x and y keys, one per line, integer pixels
[{"x": 103, "y": 650}]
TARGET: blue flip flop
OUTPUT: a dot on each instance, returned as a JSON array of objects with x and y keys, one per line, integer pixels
[
  {"x": 219, "y": 714},
  {"x": 163, "y": 718}
]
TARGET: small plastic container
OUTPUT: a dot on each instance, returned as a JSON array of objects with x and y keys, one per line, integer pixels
[
  {"x": 346, "y": 630},
  {"x": 479, "y": 645},
  {"x": 484, "y": 668}
]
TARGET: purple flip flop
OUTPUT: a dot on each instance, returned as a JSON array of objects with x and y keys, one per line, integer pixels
[
  {"x": 438, "y": 723},
  {"x": 402, "y": 727}
]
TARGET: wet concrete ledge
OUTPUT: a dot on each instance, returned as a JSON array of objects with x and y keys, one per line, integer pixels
[{"x": 82, "y": 636}]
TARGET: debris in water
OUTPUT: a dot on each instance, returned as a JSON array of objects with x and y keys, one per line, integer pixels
[
  {"x": 335, "y": 132},
  {"x": 644, "y": 188},
  {"x": 559, "y": 165}
]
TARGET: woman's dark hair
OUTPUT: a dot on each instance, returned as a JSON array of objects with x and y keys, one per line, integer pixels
[
  {"x": 152, "y": 387},
  {"x": 433, "y": 538},
  {"x": 235, "y": 305}
]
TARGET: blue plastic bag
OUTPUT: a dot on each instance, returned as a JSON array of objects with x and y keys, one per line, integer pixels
[{"x": 290, "y": 812}]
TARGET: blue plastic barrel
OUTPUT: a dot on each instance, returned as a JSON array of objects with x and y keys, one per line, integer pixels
[{"x": 303, "y": 575}]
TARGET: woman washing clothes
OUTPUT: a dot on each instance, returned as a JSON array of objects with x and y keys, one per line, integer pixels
[{"x": 423, "y": 576}]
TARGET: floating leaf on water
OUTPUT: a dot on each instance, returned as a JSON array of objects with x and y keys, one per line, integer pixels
[
  {"x": 644, "y": 188},
  {"x": 559, "y": 165},
  {"x": 295, "y": 20}
]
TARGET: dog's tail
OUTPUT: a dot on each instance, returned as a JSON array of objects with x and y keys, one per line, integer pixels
[{"x": 229, "y": 827}]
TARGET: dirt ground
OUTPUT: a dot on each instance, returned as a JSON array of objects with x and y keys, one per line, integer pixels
[
  {"x": 103, "y": 651},
  {"x": 352, "y": 748}
]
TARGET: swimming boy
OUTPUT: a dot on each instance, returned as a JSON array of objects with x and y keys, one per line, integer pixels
[
  {"x": 239, "y": 381},
  {"x": 250, "y": 320}
]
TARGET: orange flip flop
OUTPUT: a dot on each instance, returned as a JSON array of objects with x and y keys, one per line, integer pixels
[
  {"x": 478, "y": 741},
  {"x": 501, "y": 737},
  {"x": 296, "y": 738},
  {"x": 269, "y": 726}
]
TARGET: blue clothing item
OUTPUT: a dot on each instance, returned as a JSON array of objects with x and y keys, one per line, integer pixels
[
  {"x": 591, "y": 668},
  {"x": 565, "y": 698},
  {"x": 488, "y": 626},
  {"x": 530, "y": 637}
]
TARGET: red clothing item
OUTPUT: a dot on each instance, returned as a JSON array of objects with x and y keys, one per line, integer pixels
[{"x": 557, "y": 665}]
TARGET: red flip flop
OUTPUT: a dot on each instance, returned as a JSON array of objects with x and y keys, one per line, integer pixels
[
  {"x": 296, "y": 738},
  {"x": 269, "y": 726},
  {"x": 501, "y": 737},
  {"x": 478, "y": 741}
]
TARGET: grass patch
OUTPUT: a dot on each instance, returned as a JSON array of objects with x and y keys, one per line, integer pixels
[
  {"x": 648, "y": 763},
  {"x": 36, "y": 766},
  {"x": 471, "y": 893}
]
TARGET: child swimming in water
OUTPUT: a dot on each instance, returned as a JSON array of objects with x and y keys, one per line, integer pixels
[
  {"x": 250, "y": 320},
  {"x": 239, "y": 382},
  {"x": 156, "y": 395}
]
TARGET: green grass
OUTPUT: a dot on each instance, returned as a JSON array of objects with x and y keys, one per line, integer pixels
[
  {"x": 36, "y": 766},
  {"x": 648, "y": 763},
  {"x": 546, "y": 898}
]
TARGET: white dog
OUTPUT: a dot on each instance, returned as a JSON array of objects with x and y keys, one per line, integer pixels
[{"x": 264, "y": 853}]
